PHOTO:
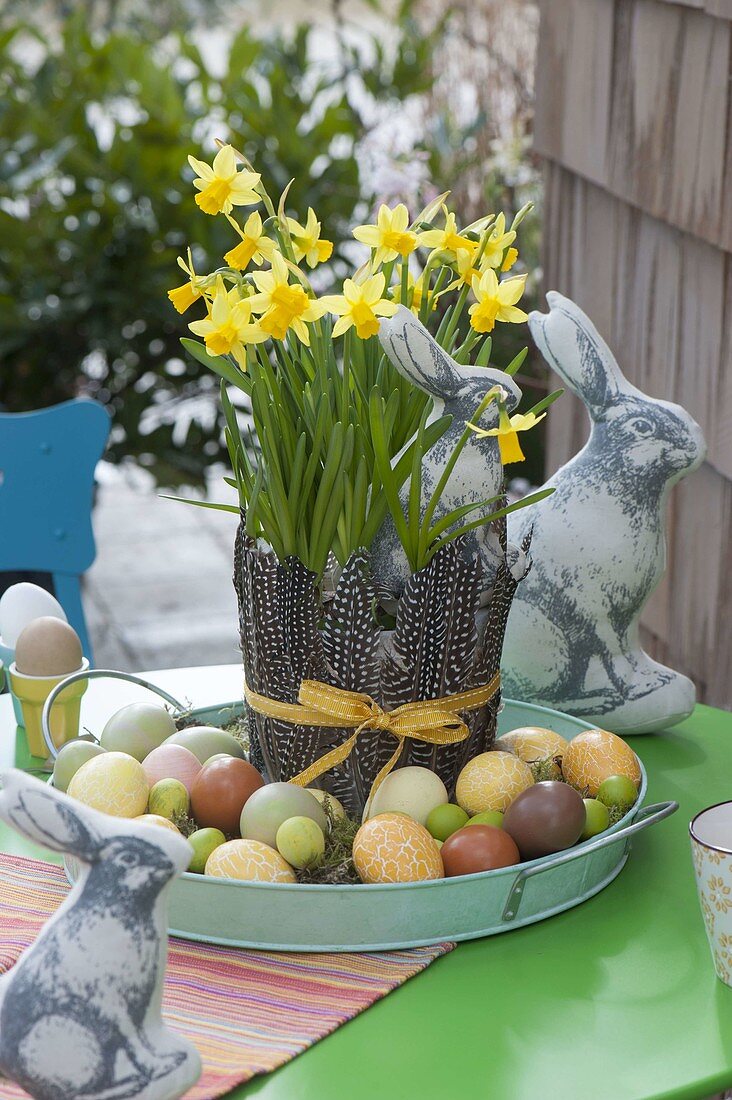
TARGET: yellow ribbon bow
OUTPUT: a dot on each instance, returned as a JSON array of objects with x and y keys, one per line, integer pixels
[{"x": 435, "y": 721}]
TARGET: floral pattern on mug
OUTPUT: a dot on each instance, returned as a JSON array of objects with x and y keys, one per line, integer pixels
[{"x": 719, "y": 894}]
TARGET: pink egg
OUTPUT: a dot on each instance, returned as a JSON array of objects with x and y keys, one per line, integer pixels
[{"x": 172, "y": 762}]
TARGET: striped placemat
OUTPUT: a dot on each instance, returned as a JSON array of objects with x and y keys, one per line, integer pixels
[{"x": 247, "y": 1012}]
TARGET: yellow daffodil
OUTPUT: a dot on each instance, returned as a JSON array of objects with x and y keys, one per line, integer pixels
[
  {"x": 497, "y": 244},
  {"x": 510, "y": 259},
  {"x": 220, "y": 186},
  {"x": 360, "y": 306},
  {"x": 255, "y": 245},
  {"x": 283, "y": 305},
  {"x": 391, "y": 236},
  {"x": 496, "y": 301},
  {"x": 307, "y": 242},
  {"x": 417, "y": 288},
  {"x": 189, "y": 292},
  {"x": 448, "y": 240},
  {"x": 507, "y": 432},
  {"x": 228, "y": 326}
]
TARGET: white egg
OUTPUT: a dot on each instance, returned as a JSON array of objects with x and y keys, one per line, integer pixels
[
  {"x": 412, "y": 790},
  {"x": 20, "y": 605}
]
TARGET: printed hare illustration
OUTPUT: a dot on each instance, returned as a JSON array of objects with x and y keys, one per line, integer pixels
[
  {"x": 598, "y": 544},
  {"x": 80, "y": 1011},
  {"x": 455, "y": 390}
]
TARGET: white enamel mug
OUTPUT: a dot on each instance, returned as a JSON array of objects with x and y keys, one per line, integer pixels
[{"x": 711, "y": 851}]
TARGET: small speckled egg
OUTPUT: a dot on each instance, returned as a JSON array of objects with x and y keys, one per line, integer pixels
[
  {"x": 250, "y": 861},
  {"x": 172, "y": 762},
  {"x": 393, "y": 848},
  {"x": 156, "y": 819},
  {"x": 531, "y": 743},
  {"x": 48, "y": 647},
  {"x": 114, "y": 783},
  {"x": 593, "y": 756},
  {"x": 413, "y": 791},
  {"x": 491, "y": 781}
]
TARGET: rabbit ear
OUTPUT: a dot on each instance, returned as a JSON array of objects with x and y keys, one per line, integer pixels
[
  {"x": 417, "y": 356},
  {"x": 46, "y": 816},
  {"x": 571, "y": 344}
]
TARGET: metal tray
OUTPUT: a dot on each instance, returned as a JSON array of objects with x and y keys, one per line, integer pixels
[{"x": 282, "y": 917}]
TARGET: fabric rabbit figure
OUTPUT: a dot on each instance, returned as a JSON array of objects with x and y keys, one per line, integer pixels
[
  {"x": 478, "y": 475},
  {"x": 599, "y": 544},
  {"x": 80, "y": 1011}
]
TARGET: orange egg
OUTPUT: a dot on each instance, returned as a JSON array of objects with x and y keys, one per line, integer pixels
[
  {"x": 593, "y": 756},
  {"x": 491, "y": 781},
  {"x": 393, "y": 848}
]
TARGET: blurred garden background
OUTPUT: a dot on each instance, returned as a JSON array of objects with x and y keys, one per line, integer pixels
[{"x": 100, "y": 104}]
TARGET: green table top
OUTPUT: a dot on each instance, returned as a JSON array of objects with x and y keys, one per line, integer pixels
[{"x": 614, "y": 1000}]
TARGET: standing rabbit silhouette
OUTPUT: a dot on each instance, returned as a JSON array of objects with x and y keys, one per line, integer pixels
[
  {"x": 80, "y": 1011},
  {"x": 598, "y": 545}
]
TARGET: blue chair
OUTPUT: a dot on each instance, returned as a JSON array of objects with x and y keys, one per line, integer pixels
[{"x": 47, "y": 462}]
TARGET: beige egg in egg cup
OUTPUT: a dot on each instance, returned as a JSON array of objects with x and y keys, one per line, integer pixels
[{"x": 32, "y": 691}]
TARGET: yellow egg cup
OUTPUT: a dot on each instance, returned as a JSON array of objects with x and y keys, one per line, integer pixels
[{"x": 32, "y": 691}]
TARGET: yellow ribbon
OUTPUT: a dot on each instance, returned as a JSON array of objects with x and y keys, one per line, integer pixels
[{"x": 435, "y": 721}]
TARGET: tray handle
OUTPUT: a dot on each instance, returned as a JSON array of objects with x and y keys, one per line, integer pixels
[
  {"x": 646, "y": 816},
  {"x": 96, "y": 674}
]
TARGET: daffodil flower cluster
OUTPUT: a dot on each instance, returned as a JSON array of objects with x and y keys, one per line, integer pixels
[{"x": 267, "y": 332}]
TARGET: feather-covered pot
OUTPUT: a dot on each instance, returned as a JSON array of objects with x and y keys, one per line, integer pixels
[{"x": 447, "y": 638}]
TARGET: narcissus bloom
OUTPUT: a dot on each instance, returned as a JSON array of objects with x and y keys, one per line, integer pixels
[
  {"x": 307, "y": 242},
  {"x": 360, "y": 306},
  {"x": 255, "y": 245},
  {"x": 496, "y": 301},
  {"x": 417, "y": 287},
  {"x": 448, "y": 239},
  {"x": 390, "y": 236},
  {"x": 283, "y": 305},
  {"x": 497, "y": 244},
  {"x": 228, "y": 326},
  {"x": 189, "y": 292},
  {"x": 507, "y": 432},
  {"x": 221, "y": 186}
]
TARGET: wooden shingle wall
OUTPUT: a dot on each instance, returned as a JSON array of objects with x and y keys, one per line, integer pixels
[{"x": 634, "y": 121}]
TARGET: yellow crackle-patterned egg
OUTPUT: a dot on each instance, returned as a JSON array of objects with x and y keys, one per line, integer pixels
[
  {"x": 114, "y": 783},
  {"x": 532, "y": 743},
  {"x": 156, "y": 819},
  {"x": 594, "y": 755},
  {"x": 393, "y": 848},
  {"x": 250, "y": 861},
  {"x": 491, "y": 781}
]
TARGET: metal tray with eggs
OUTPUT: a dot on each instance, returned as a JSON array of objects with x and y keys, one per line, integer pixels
[{"x": 303, "y": 917}]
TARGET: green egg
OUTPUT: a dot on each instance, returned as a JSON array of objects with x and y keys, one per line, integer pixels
[
  {"x": 488, "y": 817},
  {"x": 203, "y": 842},
  {"x": 167, "y": 798},
  {"x": 70, "y": 758},
  {"x": 445, "y": 820},
  {"x": 300, "y": 841},
  {"x": 207, "y": 741},
  {"x": 597, "y": 819},
  {"x": 137, "y": 729}
]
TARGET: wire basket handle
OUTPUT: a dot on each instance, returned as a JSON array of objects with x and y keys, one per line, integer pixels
[{"x": 97, "y": 674}]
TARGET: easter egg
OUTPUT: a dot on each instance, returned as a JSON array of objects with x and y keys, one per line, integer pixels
[
  {"x": 597, "y": 818},
  {"x": 137, "y": 729},
  {"x": 250, "y": 861},
  {"x": 156, "y": 819},
  {"x": 328, "y": 800},
  {"x": 491, "y": 781},
  {"x": 203, "y": 842},
  {"x": 480, "y": 848},
  {"x": 445, "y": 820},
  {"x": 112, "y": 782},
  {"x": 167, "y": 798},
  {"x": 534, "y": 743},
  {"x": 220, "y": 791},
  {"x": 413, "y": 791},
  {"x": 488, "y": 817},
  {"x": 272, "y": 804},
  {"x": 545, "y": 818},
  {"x": 394, "y": 848},
  {"x": 300, "y": 841},
  {"x": 617, "y": 790},
  {"x": 70, "y": 758},
  {"x": 20, "y": 605},
  {"x": 595, "y": 755},
  {"x": 207, "y": 741},
  {"x": 171, "y": 762},
  {"x": 48, "y": 647}
]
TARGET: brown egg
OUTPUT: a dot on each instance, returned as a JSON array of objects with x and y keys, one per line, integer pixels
[
  {"x": 545, "y": 818},
  {"x": 593, "y": 756},
  {"x": 48, "y": 647},
  {"x": 220, "y": 790},
  {"x": 478, "y": 848}
]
